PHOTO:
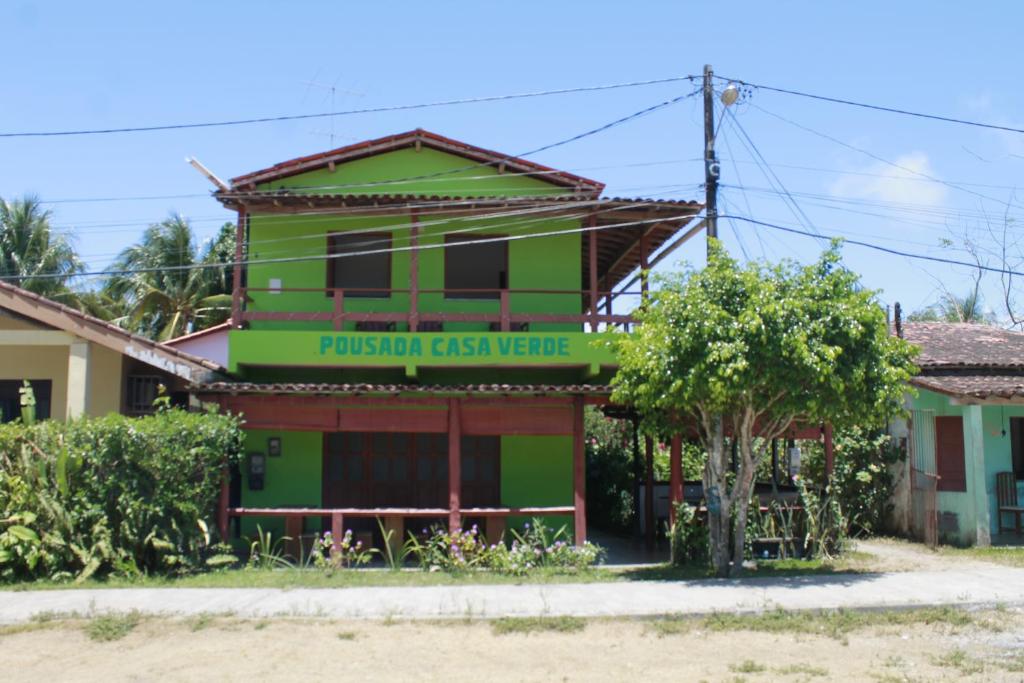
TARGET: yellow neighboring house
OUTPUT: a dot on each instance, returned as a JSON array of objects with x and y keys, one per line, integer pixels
[{"x": 80, "y": 365}]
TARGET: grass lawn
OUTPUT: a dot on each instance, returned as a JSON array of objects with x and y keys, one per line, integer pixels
[
  {"x": 1012, "y": 556},
  {"x": 349, "y": 578}
]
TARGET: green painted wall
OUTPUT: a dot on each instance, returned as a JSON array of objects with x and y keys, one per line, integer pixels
[
  {"x": 551, "y": 263},
  {"x": 537, "y": 471},
  {"x": 447, "y": 174},
  {"x": 292, "y": 480}
]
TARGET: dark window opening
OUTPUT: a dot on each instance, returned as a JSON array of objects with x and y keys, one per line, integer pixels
[
  {"x": 470, "y": 264},
  {"x": 949, "y": 454},
  {"x": 360, "y": 275},
  {"x": 10, "y": 398},
  {"x": 140, "y": 392},
  {"x": 1017, "y": 446}
]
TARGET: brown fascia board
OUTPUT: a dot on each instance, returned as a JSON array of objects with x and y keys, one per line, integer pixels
[
  {"x": 65, "y": 318},
  {"x": 389, "y": 143}
]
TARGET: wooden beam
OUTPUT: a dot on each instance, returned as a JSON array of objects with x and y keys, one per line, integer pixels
[
  {"x": 414, "y": 269},
  {"x": 592, "y": 246},
  {"x": 223, "y": 503},
  {"x": 675, "y": 477},
  {"x": 830, "y": 458},
  {"x": 579, "y": 480},
  {"x": 454, "y": 465},
  {"x": 236, "y": 272},
  {"x": 649, "y": 493}
]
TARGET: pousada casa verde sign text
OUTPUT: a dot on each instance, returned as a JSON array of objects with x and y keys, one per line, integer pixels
[
  {"x": 437, "y": 346},
  {"x": 405, "y": 349}
]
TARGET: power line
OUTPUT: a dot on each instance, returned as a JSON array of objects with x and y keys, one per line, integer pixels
[
  {"x": 350, "y": 112},
  {"x": 876, "y": 107},
  {"x": 327, "y": 257},
  {"x": 876, "y": 247}
]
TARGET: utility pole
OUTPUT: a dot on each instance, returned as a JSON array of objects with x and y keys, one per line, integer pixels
[{"x": 711, "y": 168}]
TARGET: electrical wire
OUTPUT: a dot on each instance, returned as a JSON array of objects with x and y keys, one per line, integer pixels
[
  {"x": 350, "y": 112},
  {"x": 877, "y": 247},
  {"x": 326, "y": 257},
  {"x": 876, "y": 107}
]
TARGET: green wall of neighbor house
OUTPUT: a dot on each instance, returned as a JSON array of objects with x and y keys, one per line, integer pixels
[{"x": 997, "y": 458}]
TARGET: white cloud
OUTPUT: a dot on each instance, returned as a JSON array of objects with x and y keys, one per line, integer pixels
[{"x": 904, "y": 182}]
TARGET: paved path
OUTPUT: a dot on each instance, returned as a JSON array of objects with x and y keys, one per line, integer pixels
[{"x": 985, "y": 585}]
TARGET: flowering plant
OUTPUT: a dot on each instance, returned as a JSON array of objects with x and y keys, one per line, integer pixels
[{"x": 348, "y": 553}]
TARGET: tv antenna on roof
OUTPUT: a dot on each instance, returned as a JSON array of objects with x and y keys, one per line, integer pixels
[{"x": 331, "y": 94}]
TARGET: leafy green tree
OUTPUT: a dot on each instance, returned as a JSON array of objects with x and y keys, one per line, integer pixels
[
  {"x": 30, "y": 249},
  {"x": 751, "y": 350},
  {"x": 172, "y": 285}
]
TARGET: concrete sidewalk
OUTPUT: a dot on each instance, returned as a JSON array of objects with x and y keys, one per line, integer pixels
[{"x": 983, "y": 586}]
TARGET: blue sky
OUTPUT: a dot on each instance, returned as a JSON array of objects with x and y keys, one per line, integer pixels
[{"x": 86, "y": 65}]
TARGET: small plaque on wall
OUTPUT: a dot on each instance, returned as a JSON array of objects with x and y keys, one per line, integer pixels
[{"x": 274, "y": 446}]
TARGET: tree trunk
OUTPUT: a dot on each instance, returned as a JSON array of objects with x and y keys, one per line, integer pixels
[{"x": 717, "y": 497}]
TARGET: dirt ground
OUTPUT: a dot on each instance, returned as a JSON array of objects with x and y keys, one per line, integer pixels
[{"x": 228, "y": 649}]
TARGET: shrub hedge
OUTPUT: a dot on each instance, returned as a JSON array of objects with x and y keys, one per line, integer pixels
[{"x": 112, "y": 495}]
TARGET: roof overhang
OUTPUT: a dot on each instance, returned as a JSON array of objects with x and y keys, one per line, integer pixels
[
  {"x": 88, "y": 328},
  {"x": 417, "y": 139}
]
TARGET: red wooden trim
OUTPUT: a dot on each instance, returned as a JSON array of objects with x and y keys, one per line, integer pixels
[
  {"x": 675, "y": 476},
  {"x": 505, "y": 317},
  {"x": 399, "y": 512},
  {"x": 263, "y": 415},
  {"x": 592, "y": 247},
  {"x": 579, "y": 481},
  {"x": 383, "y": 420},
  {"x": 649, "y": 493},
  {"x": 414, "y": 270},
  {"x": 454, "y": 465},
  {"x": 644, "y": 265},
  {"x": 830, "y": 457},
  {"x": 236, "y": 275},
  {"x": 223, "y": 504},
  {"x": 339, "y": 309},
  {"x": 337, "y": 530},
  {"x": 498, "y": 419}
]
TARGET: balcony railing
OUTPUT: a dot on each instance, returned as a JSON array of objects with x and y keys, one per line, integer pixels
[{"x": 433, "y": 320}]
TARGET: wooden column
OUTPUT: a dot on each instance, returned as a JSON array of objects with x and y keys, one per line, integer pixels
[
  {"x": 649, "y": 493},
  {"x": 414, "y": 270},
  {"x": 675, "y": 477},
  {"x": 592, "y": 248},
  {"x": 223, "y": 521},
  {"x": 830, "y": 458},
  {"x": 454, "y": 465},
  {"x": 337, "y": 531},
  {"x": 236, "y": 273},
  {"x": 579, "y": 477},
  {"x": 644, "y": 265}
]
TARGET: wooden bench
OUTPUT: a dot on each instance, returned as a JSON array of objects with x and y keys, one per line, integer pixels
[{"x": 1006, "y": 496}]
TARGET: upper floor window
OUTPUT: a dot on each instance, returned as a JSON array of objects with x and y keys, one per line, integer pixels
[
  {"x": 479, "y": 268},
  {"x": 360, "y": 274}
]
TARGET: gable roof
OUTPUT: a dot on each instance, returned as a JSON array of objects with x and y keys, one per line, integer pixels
[
  {"x": 947, "y": 345},
  {"x": 416, "y": 138},
  {"x": 48, "y": 312},
  {"x": 968, "y": 361}
]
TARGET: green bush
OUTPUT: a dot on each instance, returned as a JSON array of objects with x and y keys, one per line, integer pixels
[
  {"x": 863, "y": 480},
  {"x": 688, "y": 538},
  {"x": 111, "y": 495}
]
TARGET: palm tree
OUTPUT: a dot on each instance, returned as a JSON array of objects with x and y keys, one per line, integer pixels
[
  {"x": 32, "y": 255},
  {"x": 953, "y": 308},
  {"x": 167, "y": 289}
]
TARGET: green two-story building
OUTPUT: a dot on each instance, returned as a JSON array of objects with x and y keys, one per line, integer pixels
[{"x": 412, "y": 334}]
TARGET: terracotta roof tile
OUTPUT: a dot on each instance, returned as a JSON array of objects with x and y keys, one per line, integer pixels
[
  {"x": 965, "y": 345},
  {"x": 321, "y": 389}
]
